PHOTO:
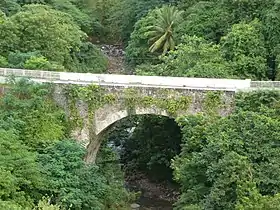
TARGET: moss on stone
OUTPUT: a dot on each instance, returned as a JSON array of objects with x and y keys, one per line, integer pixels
[{"x": 172, "y": 101}]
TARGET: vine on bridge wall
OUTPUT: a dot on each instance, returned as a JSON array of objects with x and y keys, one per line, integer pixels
[{"x": 130, "y": 99}]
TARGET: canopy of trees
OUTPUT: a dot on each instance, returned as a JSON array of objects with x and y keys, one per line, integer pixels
[
  {"x": 219, "y": 162},
  {"x": 244, "y": 38},
  {"x": 42, "y": 37},
  {"x": 55, "y": 35}
]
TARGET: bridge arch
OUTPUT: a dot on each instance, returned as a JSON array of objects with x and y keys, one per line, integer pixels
[
  {"x": 93, "y": 108},
  {"x": 104, "y": 127},
  {"x": 110, "y": 114}
]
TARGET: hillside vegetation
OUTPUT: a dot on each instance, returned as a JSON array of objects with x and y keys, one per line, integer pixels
[{"x": 220, "y": 163}]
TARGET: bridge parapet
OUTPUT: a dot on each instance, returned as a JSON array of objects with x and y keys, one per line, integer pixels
[
  {"x": 265, "y": 85},
  {"x": 45, "y": 75},
  {"x": 138, "y": 81},
  {"x": 127, "y": 80}
]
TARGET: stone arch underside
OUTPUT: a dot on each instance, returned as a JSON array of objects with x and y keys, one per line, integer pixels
[
  {"x": 104, "y": 118},
  {"x": 107, "y": 116}
]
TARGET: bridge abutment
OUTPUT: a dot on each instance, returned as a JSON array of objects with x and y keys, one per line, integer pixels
[{"x": 93, "y": 147}]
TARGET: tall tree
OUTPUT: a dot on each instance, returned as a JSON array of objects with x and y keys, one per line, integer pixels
[
  {"x": 244, "y": 47},
  {"x": 204, "y": 19},
  {"x": 40, "y": 28},
  {"x": 194, "y": 58}
]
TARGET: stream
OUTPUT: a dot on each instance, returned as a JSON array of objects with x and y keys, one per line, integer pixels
[
  {"x": 153, "y": 204},
  {"x": 153, "y": 196}
]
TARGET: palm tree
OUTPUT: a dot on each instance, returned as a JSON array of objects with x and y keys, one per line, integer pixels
[{"x": 161, "y": 32}]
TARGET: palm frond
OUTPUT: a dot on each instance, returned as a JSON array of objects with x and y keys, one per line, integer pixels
[
  {"x": 166, "y": 46},
  {"x": 171, "y": 43},
  {"x": 157, "y": 44},
  {"x": 161, "y": 32}
]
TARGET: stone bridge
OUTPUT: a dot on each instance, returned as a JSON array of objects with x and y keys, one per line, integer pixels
[{"x": 94, "y": 102}]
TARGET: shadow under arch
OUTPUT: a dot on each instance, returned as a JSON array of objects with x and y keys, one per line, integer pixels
[
  {"x": 142, "y": 158},
  {"x": 149, "y": 140}
]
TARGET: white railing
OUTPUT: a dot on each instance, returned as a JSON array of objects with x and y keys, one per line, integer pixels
[{"x": 136, "y": 81}]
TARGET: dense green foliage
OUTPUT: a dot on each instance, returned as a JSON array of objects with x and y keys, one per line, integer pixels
[
  {"x": 245, "y": 40},
  {"x": 37, "y": 159},
  {"x": 56, "y": 32},
  {"x": 231, "y": 162},
  {"x": 150, "y": 147},
  {"x": 25, "y": 35},
  {"x": 41, "y": 37},
  {"x": 125, "y": 13},
  {"x": 30, "y": 110},
  {"x": 220, "y": 162},
  {"x": 194, "y": 58},
  {"x": 77, "y": 185}
]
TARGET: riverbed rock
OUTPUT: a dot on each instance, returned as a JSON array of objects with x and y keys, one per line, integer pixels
[
  {"x": 112, "y": 50},
  {"x": 115, "y": 55},
  {"x": 135, "y": 206}
]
